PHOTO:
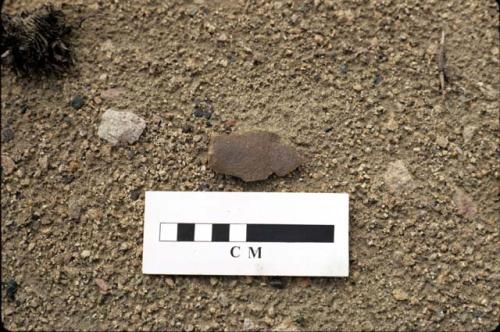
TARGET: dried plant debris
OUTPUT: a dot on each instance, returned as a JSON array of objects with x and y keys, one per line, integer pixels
[
  {"x": 441, "y": 62},
  {"x": 37, "y": 41}
]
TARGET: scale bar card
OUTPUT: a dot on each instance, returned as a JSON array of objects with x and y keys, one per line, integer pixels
[{"x": 246, "y": 233}]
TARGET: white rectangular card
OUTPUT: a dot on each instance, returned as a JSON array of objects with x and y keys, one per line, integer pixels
[{"x": 246, "y": 233}]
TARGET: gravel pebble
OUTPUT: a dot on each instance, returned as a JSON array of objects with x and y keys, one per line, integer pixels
[
  {"x": 343, "y": 68},
  {"x": 135, "y": 194},
  {"x": 12, "y": 287},
  {"x": 442, "y": 141},
  {"x": 103, "y": 285},
  {"x": 464, "y": 203},
  {"x": 7, "y": 135},
  {"x": 119, "y": 127},
  {"x": 469, "y": 132},
  {"x": 112, "y": 93},
  {"x": 400, "y": 295},
  {"x": 391, "y": 124},
  {"x": 85, "y": 253},
  {"x": 277, "y": 282},
  {"x": 222, "y": 37},
  {"x": 248, "y": 324},
  {"x": 78, "y": 102},
  {"x": 287, "y": 325},
  {"x": 397, "y": 177},
  {"x": 8, "y": 165},
  {"x": 199, "y": 113},
  {"x": 43, "y": 162},
  {"x": 170, "y": 282}
]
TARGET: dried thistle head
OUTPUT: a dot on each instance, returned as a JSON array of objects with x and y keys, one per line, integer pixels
[{"x": 37, "y": 41}]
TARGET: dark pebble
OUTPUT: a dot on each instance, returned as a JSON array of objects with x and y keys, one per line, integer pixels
[
  {"x": 277, "y": 282},
  {"x": 103, "y": 298},
  {"x": 327, "y": 130},
  {"x": 382, "y": 57},
  {"x": 34, "y": 224},
  {"x": 11, "y": 291},
  {"x": 135, "y": 194},
  {"x": 67, "y": 178},
  {"x": 203, "y": 187},
  {"x": 343, "y": 68},
  {"x": 7, "y": 135},
  {"x": 24, "y": 109},
  {"x": 187, "y": 129},
  {"x": 199, "y": 113},
  {"x": 77, "y": 102},
  {"x": 34, "y": 221},
  {"x": 377, "y": 79},
  {"x": 300, "y": 320}
]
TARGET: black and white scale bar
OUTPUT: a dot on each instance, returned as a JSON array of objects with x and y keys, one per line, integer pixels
[
  {"x": 246, "y": 233},
  {"x": 206, "y": 232}
]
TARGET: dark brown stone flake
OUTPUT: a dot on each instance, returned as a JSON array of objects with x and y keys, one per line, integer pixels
[{"x": 252, "y": 156}]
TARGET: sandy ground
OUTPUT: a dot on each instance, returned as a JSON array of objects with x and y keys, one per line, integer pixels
[{"x": 354, "y": 85}]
